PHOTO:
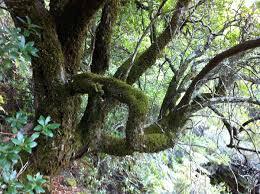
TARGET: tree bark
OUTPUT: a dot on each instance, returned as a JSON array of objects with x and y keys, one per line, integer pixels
[
  {"x": 57, "y": 86},
  {"x": 59, "y": 46}
]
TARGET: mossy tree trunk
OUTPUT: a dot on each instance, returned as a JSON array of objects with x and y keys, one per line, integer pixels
[
  {"x": 58, "y": 86},
  {"x": 59, "y": 54}
]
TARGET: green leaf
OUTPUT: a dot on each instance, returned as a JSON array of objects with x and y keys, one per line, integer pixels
[
  {"x": 16, "y": 141},
  {"x": 32, "y": 144},
  {"x": 27, "y": 149},
  {"x": 14, "y": 130},
  {"x": 39, "y": 189},
  {"x": 41, "y": 120},
  {"x": 19, "y": 140},
  {"x": 48, "y": 132},
  {"x": 35, "y": 136},
  {"x": 30, "y": 44},
  {"x": 30, "y": 178},
  {"x": 53, "y": 126},
  {"x": 47, "y": 120},
  {"x": 38, "y": 128},
  {"x": 20, "y": 136}
]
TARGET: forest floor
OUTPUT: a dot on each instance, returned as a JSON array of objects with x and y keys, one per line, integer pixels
[{"x": 69, "y": 181}]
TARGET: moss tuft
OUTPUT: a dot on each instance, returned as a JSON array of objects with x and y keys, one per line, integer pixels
[{"x": 156, "y": 142}]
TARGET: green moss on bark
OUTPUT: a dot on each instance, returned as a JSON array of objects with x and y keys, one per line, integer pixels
[
  {"x": 114, "y": 146},
  {"x": 148, "y": 143},
  {"x": 112, "y": 87},
  {"x": 156, "y": 142}
]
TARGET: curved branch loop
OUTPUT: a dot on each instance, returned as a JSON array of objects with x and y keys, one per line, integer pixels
[{"x": 110, "y": 87}]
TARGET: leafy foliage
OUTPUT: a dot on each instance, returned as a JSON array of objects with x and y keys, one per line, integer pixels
[
  {"x": 10, "y": 154},
  {"x": 16, "y": 54},
  {"x": 14, "y": 49}
]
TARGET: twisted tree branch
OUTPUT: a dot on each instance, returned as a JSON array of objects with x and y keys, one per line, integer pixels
[
  {"x": 110, "y": 87},
  {"x": 212, "y": 64}
]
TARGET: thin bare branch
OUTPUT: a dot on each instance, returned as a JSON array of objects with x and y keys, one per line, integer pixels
[{"x": 213, "y": 63}]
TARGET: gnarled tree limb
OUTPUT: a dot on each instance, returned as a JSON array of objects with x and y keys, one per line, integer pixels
[
  {"x": 119, "y": 147},
  {"x": 148, "y": 57},
  {"x": 100, "y": 62},
  {"x": 213, "y": 63},
  {"x": 157, "y": 137},
  {"x": 104, "y": 107},
  {"x": 137, "y": 102}
]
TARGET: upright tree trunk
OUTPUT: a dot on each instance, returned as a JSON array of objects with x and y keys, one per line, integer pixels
[
  {"x": 53, "y": 154},
  {"x": 50, "y": 97},
  {"x": 62, "y": 30}
]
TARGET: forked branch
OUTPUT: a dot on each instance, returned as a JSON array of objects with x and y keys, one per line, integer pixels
[
  {"x": 214, "y": 62},
  {"x": 149, "y": 56}
]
